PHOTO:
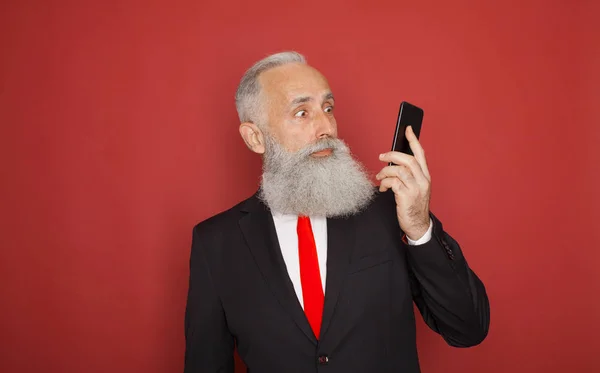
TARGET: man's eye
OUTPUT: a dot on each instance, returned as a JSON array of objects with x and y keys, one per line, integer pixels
[
  {"x": 301, "y": 113},
  {"x": 329, "y": 109}
]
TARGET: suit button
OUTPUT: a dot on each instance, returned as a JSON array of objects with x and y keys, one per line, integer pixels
[{"x": 323, "y": 359}]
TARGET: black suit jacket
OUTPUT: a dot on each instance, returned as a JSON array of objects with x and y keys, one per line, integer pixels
[{"x": 240, "y": 294}]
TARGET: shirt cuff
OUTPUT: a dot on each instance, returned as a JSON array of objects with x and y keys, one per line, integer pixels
[{"x": 426, "y": 237}]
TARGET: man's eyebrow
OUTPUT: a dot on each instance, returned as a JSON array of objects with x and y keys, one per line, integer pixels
[
  {"x": 328, "y": 96},
  {"x": 300, "y": 100},
  {"x": 305, "y": 99}
]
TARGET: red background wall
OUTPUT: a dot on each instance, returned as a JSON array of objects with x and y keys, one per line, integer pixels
[{"x": 119, "y": 133}]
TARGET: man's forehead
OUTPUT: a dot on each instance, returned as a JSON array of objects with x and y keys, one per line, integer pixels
[{"x": 295, "y": 80}]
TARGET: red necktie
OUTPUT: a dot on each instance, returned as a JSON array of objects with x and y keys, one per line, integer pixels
[{"x": 310, "y": 277}]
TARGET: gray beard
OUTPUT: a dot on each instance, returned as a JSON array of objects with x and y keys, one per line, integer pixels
[{"x": 298, "y": 184}]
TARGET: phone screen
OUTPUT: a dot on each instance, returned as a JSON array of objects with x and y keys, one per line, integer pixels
[{"x": 409, "y": 115}]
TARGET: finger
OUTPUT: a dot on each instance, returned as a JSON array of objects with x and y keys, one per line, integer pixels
[
  {"x": 408, "y": 161},
  {"x": 417, "y": 150},
  {"x": 401, "y": 172},
  {"x": 395, "y": 184}
]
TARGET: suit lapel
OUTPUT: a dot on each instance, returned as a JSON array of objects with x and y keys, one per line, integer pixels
[
  {"x": 341, "y": 234},
  {"x": 260, "y": 234}
]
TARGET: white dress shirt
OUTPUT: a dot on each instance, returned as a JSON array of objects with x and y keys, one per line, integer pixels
[{"x": 286, "y": 225}]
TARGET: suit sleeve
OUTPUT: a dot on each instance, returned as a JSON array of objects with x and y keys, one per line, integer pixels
[
  {"x": 209, "y": 344},
  {"x": 449, "y": 295}
]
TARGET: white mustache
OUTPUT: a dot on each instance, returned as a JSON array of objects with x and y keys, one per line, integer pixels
[{"x": 329, "y": 143}]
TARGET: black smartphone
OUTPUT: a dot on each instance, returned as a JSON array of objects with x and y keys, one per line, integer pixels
[{"x": 408, "y": 115}]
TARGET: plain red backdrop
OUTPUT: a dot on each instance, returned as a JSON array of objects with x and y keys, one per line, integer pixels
[{"x": 119, "y": 133}]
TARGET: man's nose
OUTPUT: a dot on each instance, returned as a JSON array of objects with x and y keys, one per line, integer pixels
[{"x": 324, "y": 125}]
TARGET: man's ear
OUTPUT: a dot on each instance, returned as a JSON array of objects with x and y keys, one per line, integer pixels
[{"x": 253, "y": 137}]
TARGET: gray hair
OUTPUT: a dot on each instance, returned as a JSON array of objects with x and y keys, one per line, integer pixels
[{"x": 247, "y": 96}]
